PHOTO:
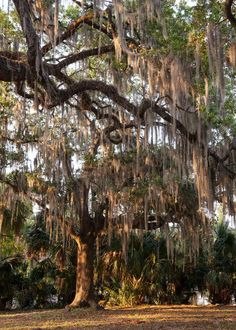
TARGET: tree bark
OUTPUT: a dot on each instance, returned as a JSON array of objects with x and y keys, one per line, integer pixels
[{"x": 84, "y": 295}]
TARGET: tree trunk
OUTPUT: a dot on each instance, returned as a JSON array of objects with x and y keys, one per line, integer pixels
[{"x": 84, "y": 295}]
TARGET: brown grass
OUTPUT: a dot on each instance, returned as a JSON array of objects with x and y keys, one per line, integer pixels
[{"x": 142, "y": 317}]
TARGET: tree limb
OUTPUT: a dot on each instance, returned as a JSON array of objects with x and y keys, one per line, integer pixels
[
  {"x": 11, "y": 70},
  {"x": 82, "y": 55},
  {"x": 32, "y": 39},
  {"x": 70, "y": 31}
]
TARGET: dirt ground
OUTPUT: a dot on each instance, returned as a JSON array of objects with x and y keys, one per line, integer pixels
[{"x": 142, "y": 317}]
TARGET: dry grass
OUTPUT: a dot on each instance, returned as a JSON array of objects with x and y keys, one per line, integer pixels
[{"x": 143, "y": 317}]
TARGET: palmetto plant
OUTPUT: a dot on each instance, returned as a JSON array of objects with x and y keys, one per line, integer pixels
[
  {"x": 221, "y": 280},
  {"x": 13, "y": 218},
  {"x": 148, "y": 276},
  {"x": 10, "y": 278}
]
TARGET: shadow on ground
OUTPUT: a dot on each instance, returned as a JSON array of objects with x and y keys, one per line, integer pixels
[{"x": 142, "y": 317}]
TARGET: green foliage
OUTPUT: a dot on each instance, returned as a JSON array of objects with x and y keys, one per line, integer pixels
[
  {"x": 36, "y": 237},
  {"x": 221, "y": 279},
  {"x": 39, "y": 272},
  {"x": 52, "y": 270},
  {"x": 40, "y": 284},
  {"x": 9, "y": 245},
  {"x": 10, "y": 279},
  {"x": 14, "y": 219},
  {"x": 150, "y": 276}
]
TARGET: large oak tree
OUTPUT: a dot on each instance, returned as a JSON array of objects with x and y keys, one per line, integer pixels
[{"x": 124, "y": 104}]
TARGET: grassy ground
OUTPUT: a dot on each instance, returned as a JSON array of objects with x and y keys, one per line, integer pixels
[{"x": 143, "y": 317}]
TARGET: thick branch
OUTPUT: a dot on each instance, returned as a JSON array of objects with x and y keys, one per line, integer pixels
[
  {"x": 111, "y": 92},
  {"x": 221, "y": 165},
  {"x": 94, "y": 85},
  {"x": 163, "y": 113},
  {"x": 16, "y": 56},
  {"x": 27, "y": 194},
  {"x": 11, "y": 70},
  {"x": 89, "y": 20},
  {"x": 28, "y": 140},
  {"x": 100, "y": 28},
  {"x": 21, "y": 91},
  {"x": 71, "y": 29},
  {"x": 37, "y": 69},
  {"x": 82, "y": 55},
  {"x": 32, "y": 40}
]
